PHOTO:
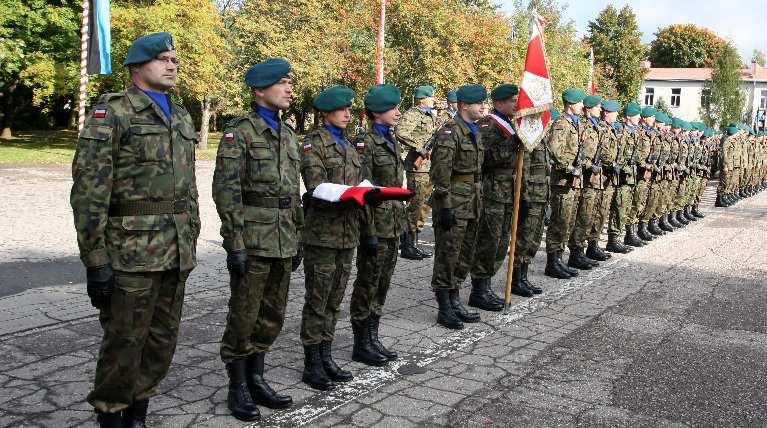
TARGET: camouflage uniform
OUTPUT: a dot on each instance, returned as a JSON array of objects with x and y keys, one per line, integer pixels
[
  {"x": 622, "y": 204},
  {"x": 564, "y": 143},
  {"x": 330, "y": 235},
  {"x": 647, "y": 139},
  {"x": 257, "y": 195},
  {"x": 673, "y": 174},
  {"x": 658, "y": 160},
  {"x": 414, "y": 129},
  {"x": 457, "y": 164},
  {"x": 592, "y": 184},
  {"x": 381, "y": 164},
  {"x": 134, "y": 199},
  {"x": 535, "y": 194},
  {"x": 608, "y": 137}
]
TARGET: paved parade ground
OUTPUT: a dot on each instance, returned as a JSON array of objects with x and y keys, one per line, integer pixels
[{"x": 674, "y": 333}]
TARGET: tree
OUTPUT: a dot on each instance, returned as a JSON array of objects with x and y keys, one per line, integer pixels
[
  {"x": 616, "y": 40},
  {"x": 725, "y": 101},
  {"x": 685, "y": 46},
  {"x": 661, "y": 105},
  {"x": 759, "y": 57}
]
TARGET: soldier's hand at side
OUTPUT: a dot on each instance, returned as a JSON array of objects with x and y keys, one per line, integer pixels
[
  {"x": 369, "y": 245},
  {"x": 596, "y": 168},
  {"x": 100, "y": 285},
  {"x": 237, "y": 262},
  {"x": 447, "y": 218},
  {"x": 298, "y": 257}
]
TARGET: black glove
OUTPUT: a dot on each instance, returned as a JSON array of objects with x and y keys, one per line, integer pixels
[
  {"x": 371, "y": 199},
  {"x": 447, "y": 218},
  {"x": 298, "y": 257},
  {"x": 369, "y": 245},
  {"x": 100, "y": 284},
  {"x": 237, "y": 262}
]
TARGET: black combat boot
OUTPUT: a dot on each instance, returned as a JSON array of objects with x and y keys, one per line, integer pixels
[
  {"x": 688, "y": 214},
  {"x": 720, "y": 201},
  {"x": 374, "y": 323},
  {"x": 446, "y": 316},
  {"x": 643, "y": 233},
  {"x": 634, "y": 229},
  {"x": 406, "y": 248},
  {"x": 334, "y": 372},
  {"x": 260, "y": 391},
  {"x": 424, "y": 254},
  {"x": 518, "y": 287},
  {"x": 589, "y": 260},
  {"x": 671, "y": 219},
  {"x": 631, "y": 239},
  {"x": 364, "y": 352},
  {"x": 482, "y": 296},
  {"x": 568, "y": 269},
  {"x": 614, "y": 245},
  {"x": 135, "y": 415},
  {"x": 314, "y": 374},
  {"x": 664, "y": 225},
  {"x": 681, "y": 218},
  {"x": 109, "y": 420},
  {"x": 526, "y": 282},
  {"x": 239, "y": 400},
  {"x": 554, "y": 266},
  {"x": 595, "y": 253},
  {"x": 578, "y": 260},
  {"x": 696, "y": 212},
  {"x": 460, "y": 310}
]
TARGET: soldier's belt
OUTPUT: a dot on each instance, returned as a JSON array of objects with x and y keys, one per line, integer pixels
[
  {"x": 148, "y": 208},
  {"x": 462, "y": 178},
  {"x": 254, "y": 200}
]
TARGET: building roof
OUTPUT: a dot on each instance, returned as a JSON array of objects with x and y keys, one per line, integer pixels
[{"x": 701, "y": 74}]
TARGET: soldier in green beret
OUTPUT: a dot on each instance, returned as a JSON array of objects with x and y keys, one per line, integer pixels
[
  {"x": 136, "y": 214},
  {"x": 456, "y": 174},
  {"x": 414, "y": 130},
  {"x": 648, "y": 145},
  {"x": 566, "y": 181},
  {"x": 683, "y": 165},
  {"x": 451, "y": 108},
  {"x": 657, "y": 160},
  {"x": 624, "y": 194},
  {"x": 256, "y": 187},
  {"x": 704, "y": 169},
  {"x": 382, "y": 165}
]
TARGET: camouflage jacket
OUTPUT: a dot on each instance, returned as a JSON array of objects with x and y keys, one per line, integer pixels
[
  {"x": 414, "y": 129},
  {"x": 681, "y": 161},
  {"x": 456, "y": 168},
  {"x": 499, "y": 161},
  {"x": 664, "y": 156},
  {"x": 590, "y": 139},
  {"x": 609, "y": 138},
  {"x": 134, "y": 195},
  {"x": 563, "y": 144},
  {"x": 256, "y": 188},
  {"x": 381, "y": 164},
  {"x": 536, "y": 172},
  {"x": 647, "y": 151},
  {"x": 330, "y": 225},
  {"x": 628, "y": 143}
]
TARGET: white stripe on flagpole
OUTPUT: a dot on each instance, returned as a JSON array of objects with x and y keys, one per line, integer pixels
[
  {"x": 380, "y": 44},
  {"x": 83, "y": 66}
]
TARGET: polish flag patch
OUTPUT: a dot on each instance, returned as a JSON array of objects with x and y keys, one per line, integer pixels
[
  {"x": 229, "y": 136},
  {"x": 99, "y": 113},
  {"x": 331, "y": 192},
  {"x": 360, "y": 146},
  {"x": 307, "y": 148}
]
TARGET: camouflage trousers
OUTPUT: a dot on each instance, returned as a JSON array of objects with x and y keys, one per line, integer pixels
[
  {"x": 724, "y": 182},
  {"x": 453, "y": 253},
  {"x": 564, "y": 205},
  {"x": 529, "y": 233},
  {"x": 418, "y": 208},
  {"x": 374, "y": 275},
  {"x": 256, "y": 308},
  {"x": 495, "y": 231},
  {"x": 140, "y": 331},
  {"x": 601, "y": 213},
  {"x": 701, "y": 189},
  {"x": 693, "y": 186},
  {"x": 584, "y": 216},
  {"x": 620, "y": 208},
  {"x": 670, "y": 195},
  {"x": 654, "y": 201},
  {"x": 681, "y": 191},
  {"x": 639, "y": 201},
  {"x": 326, "y": 275}
]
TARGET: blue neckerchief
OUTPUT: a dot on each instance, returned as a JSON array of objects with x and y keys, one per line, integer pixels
[
  {"x": 338, "y": 135},
  {"x": 630, "y": 127},
  {"x": 593, "y": 121},
  {"x": 428, "y": 110},
  {"x": 501, "y": 115},
  {"x": 472, "y": 126},
  {"x": 384, "y": 131},
  {"x": 270, "y": 116},
  {"x": 161, "y": 100},
  {"x": 452, "y": 112},
  {"x": 574, "y": 117},
  {"x": 647, "y": 128}
]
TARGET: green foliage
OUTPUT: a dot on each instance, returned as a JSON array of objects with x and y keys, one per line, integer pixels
[
  {"x": 685, "y": 46},
  {"x": 661, "y": 105},
  {"x": 759, "y": 57},
  {"x": 725, "y": 103}
]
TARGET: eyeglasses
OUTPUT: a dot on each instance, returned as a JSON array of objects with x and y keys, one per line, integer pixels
[{"x": 167, "y": 59}]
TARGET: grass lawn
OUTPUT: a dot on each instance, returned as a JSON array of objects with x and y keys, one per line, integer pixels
[{"x": 58, "y": 147}]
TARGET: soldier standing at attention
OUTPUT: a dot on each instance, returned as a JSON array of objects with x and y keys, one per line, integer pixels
[
  {"x": 566, "y": 171},
  {"x": 628, "y": 177},
  {"x": 330, "y": 236},
  {"x": 414, "y": 129},
  {"x": 257, "y": 194},
  {"x": 134, "y": 201},
  {"x": 646, "y": 154},
  {"x": 451, "y": 109},
  {"x": 456, "y": 175},
  {"x": 382, "y": 165}
]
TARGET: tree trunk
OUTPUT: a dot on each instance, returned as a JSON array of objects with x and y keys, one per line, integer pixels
[
  {"x": 205, "y": 123},
  {"x": 6, "y": 134},
  {"x": 215, "y": 121}
]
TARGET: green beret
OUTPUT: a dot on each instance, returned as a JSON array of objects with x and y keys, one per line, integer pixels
[
  {"x": 632, "y": 109},
  {"x": 423, "y": 92},
  {"x": 686, "y": 126},
  {"x": 592, "y": 101},
  {"x": 661, "y": 117},
  {"x": 733, "y": 125},
  {"x": 573, "y": 95},
  {"x": 697, "y": 126},
  {"x": 452, "y": 96},
  {"x": 267, "y": 72},
  {"x": 611, "y": 105},
  {"x": 471, "y": 94},
  {"x": 554, "y": 114},
  {"x": 507, "y": 90},
  {"x": 147, "y": 47},
  {"x": 708, "y": 133},
  {"x": 334, "y": 98},
  {"x": 731, "y": 130},
  {"x": 381, "y": 98},
  {"x": 649, "y": 111}
]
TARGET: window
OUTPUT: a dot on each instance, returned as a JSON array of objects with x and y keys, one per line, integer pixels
[
  {"x": 676, "y": 97},
  {"x": 763, "y": 100},
  {"x": 705, "y": 95},
  {"x": 649, "y": 96}
]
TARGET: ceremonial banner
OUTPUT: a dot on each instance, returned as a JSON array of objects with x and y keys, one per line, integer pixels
[
  {"x": 100, "y": 39},
  {"x": 361, "y": 193}
]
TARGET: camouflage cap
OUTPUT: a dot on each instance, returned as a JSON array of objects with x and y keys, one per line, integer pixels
[
  {"x": 423, "y": 92},
  {"x": 334, "y": 98},
  {"x": 267, "y": 72},
  {"x": 632, "y": 109},
  {"x": 611, "y": 105},
  {"x": 648, "y": 111},
  {"x": 472, "y": 93},
  {"x": 381, "y": 98},
  {"x": 502, "y": 92},
  {"x": 452, "y": 96},
  {"x": 573, "y": 95},
  {"x": 592, "y": 101},
  {"x": 147, "y": 47}
]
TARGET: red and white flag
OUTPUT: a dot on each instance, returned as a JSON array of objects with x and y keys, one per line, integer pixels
[
  {"x": 536, "y": 97},
  {"x": 592, "y": 87},
  {"x": 331, "y": 192}
]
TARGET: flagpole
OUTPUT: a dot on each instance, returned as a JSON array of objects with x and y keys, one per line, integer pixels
[
  {"x": 83, "y": 66},
  {"x": 514, "y": 223},
  {"x": 380, "y": 44}
]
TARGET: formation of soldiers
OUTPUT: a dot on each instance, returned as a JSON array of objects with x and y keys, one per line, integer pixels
[{"x": 135, "y": 206}]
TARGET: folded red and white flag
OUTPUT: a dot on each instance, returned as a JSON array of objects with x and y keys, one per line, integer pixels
[{"x": 331, "y": 192}]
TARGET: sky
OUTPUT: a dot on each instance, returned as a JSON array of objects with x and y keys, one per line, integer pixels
[{"x": 740, "y": 21}]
